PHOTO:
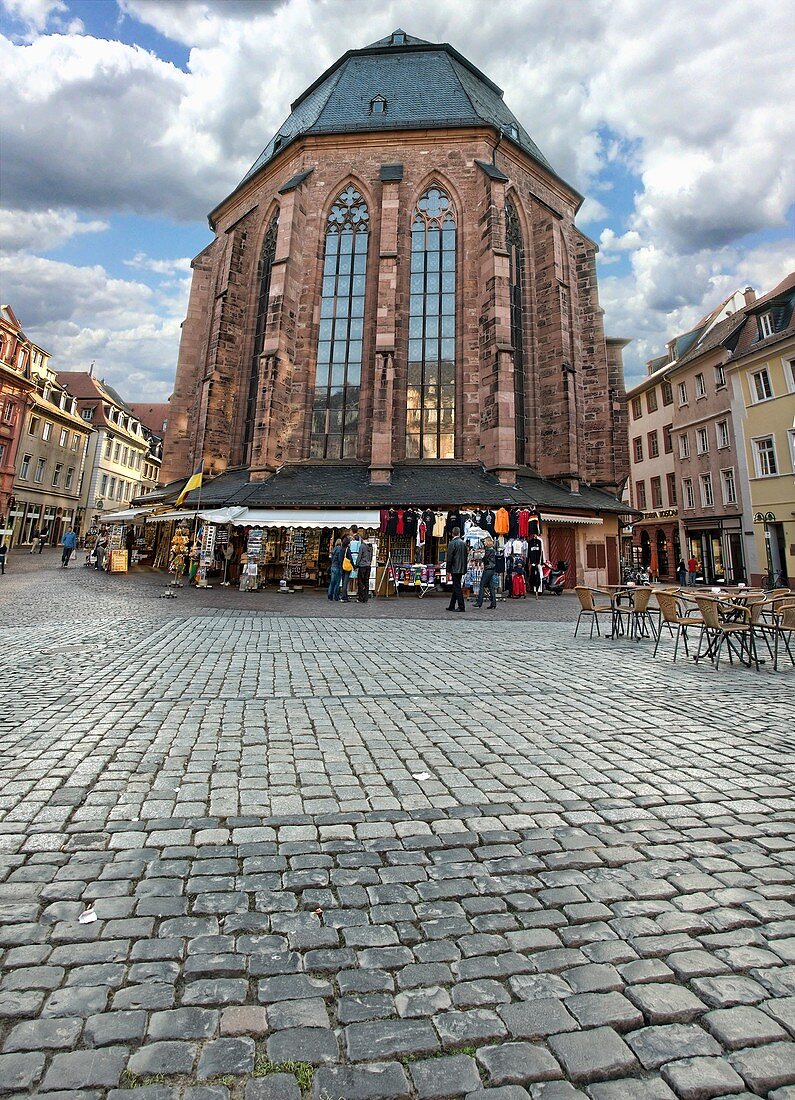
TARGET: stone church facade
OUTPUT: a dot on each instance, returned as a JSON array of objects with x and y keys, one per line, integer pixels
[{"x": 398, "y": 283}]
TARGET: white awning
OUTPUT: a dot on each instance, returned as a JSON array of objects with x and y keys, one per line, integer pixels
[
  {"x": 165, "y": 517},
  {"x": 222, "y": 515},
  {"x": 127, "y": 515},
  {"x": 591, "y": 521},
  {"x": 310, "y": 518}
]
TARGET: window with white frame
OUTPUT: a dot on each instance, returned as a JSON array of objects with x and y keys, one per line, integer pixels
[
  {"x": 728, "y": 486},
  {"x": 654, "y": 444},
  {"x": 789, "y": 374},
  {"x": 70, "y": 476},
  {"x": 765, "y": 456},
  {"x": 2, "y": 453},
  {"x": 681, "y": 391},
  {"x": 24, "y": 468},
  {"x": 667, "y": 393},
  {"x": 637, "y": 448},
  {"x": 702, "y": 441},
  {"x": 765, "y": 325},
  {"x": 707, "y": 496},
  {"x": 116, "y": 452},
  {"x": 108, "y": 447},
  {"x": 640, "y": 495},
  {"x": 637, "y": 408},
  {"x": 722, "y": 433},
  {"x": 56, "y": 474},
  {"x": 112, "y": 487},
  {"x": 87, "y": 414},
  {"x": 761, "y": 390},
  {"x": 688, "y": 496},
  {"x": 33, "y": 424},
  {"x": 684, "y": 445},
  {"x": 720, "y": 377},
  {"x": 64, "y": 437},
  {"x": 75, "y": 441},
  {"x": 701, "y": 385},
  {"x": 651, "y": 401},
  {"x": 8, "y": 412},
  {"x": 104, "y": 487},
  {"x": 46, "y": 431},
  {"x": 791, "y": 438},
  {"x": 38, "y": 477}
]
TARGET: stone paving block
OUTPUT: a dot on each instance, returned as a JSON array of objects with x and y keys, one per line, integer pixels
[
  {"x": 226, "y": 1056},
  {"x": 215, "y": 992},
  {"x": 593, "y": 1055},
  {"x": 604, "y": 1009},
  {"x": 86, "y": 1069},
  {"x": 276, "y": 1086},
  {"x": 458, "y": 1029},
  {"x": 656, "y": 1045},
  {"x": 111, "y": 1028},
  {"x": 43, "y": 1035},
  {"x": 783, "y": 1010},
  {"x": 316, "y": 1045},
  {"x": 389, "y": 1039},
  {"x": 183, "y": 1023},
  {"x": 631, "y": 1089},
  {"x": 445, "y": 1078},
  {"x": 163, "y": 1057},
  {"x": 306, "y": 1014},
  {"x": 20, "y": 1072},
  {"x": 241, "y": 1020},
  {"x": 384, "y": 1081},
  {"x": 743, "y": 1026},
  {"x": 517, "y": 1064},
  {"x": 702, "y": 1078},
  {"x": 506, "y": 1092},
  {"x": 729, "y": 990},
  {"x": 664, "y": 1003},
  {"x": 76, "y": 1001},
  {"x": 765, "y": 1068},
  {"x": 537, "y": 1019}
]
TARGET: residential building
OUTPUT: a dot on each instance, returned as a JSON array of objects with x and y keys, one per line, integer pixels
[
  {"x": 761, "y": 374},
  {"x": 50, "y": 458},
  {"x": 154, "y": 419},
  {"x": 16, "y": 388},
  {"x": 666, "y": 481},
  {"x": 117, "y": 448},
  {"x": 398, "y": 307}
]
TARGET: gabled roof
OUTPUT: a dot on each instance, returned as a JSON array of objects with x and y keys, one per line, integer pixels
[
  {"x": 426, "y": 85},
  {"x": 720, "y": 334},
  {"x": 780, "y": 304},
  {"x": 151, "y": 416}
]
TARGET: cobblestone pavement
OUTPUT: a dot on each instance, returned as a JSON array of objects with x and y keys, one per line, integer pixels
[{"x": 385, "y": 858}]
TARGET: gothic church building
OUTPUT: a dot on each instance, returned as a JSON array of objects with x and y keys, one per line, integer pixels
[{"x": 397, "y": 303}]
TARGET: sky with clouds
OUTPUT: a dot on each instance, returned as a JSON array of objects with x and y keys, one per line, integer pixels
[{"x": 125, "y": 121}]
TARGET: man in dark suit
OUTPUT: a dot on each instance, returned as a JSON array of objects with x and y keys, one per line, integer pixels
[{"x": 456, "y": 567}]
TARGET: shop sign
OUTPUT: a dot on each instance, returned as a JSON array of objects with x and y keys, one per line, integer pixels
[
  {"x": 764, "y": 517},
  {"x": 663, "y": 513},
  {"x": 118, "y": 561}
]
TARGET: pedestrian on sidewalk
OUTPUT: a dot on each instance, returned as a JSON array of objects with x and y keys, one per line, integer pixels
[
  {"x": 3, "y": 552},
  {"x": 69, "y": 543},
  {"x": 681, "y": 572},
  {"x": 35, "y": 540},
  {"x": 456, "y": 566},
  {"x": 364, "y": 565},
  {"x": 489, "y": 579},
  {"x": 352, "y": 555},
  {"x": 42, "y": 539},
  {"x": 99, "y": 549},
  {"x": 336, "y": 571},
  {"x": 692, "y": 570}
]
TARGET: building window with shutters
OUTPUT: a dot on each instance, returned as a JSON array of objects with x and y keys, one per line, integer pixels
[
  {"x": 267, "y": 256},
  {"x": 430, "y": 405},
  {"x": 338, "y": 374}
]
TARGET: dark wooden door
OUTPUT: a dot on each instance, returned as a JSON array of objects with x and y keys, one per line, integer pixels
[{"x": 561, "y": 546}]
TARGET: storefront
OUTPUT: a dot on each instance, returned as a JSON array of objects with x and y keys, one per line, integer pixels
[
  {"x": 718, "y": 549},
  {"x": 655, "y": 544}
]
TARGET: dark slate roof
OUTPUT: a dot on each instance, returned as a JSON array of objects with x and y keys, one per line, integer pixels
[
  {"x": 780, "y": 303},
  {"x": 439, "y": 485},
  {"x": 426, "y": 85},
  {"x": 719, "y": 334}
]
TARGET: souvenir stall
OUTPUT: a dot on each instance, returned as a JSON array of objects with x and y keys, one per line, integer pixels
[{"x": 126, "y": 536}]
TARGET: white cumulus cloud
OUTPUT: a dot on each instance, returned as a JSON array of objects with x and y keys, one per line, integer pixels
[{"x": 42, "y": 230}]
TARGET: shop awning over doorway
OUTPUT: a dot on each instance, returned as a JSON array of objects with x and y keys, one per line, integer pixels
[
  {"x": 127, "y": 515},
  {"x": 309, "y": 518},
  {"x": 591, "y": 521}
]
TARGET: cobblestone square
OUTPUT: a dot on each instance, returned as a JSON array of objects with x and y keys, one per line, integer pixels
[{"x": 383, "y": 855}]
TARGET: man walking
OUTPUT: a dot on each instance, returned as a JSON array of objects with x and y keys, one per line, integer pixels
[
  {"x": 69, "y": 543},
  {"x": 488, "y": 580},
  {"x": 692, "y": 570},
  {"x": 456, "y": 567},
  {"x": 3, "y": 552},
  {"x": 364, "y": 566}
]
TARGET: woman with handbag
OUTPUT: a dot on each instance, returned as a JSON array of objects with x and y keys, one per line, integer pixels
[
  {"x": 336, "y": 571},
  {"x": 349, "y": 563}
]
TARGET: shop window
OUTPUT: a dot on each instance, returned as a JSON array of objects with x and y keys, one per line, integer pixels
[
  {"x": 722, "y": 432},
  {"x": 765, "y": 456},
  {"x": 651, "y": 401},
  {"x": 668, "y": 443},
  {"x": 430, "y": 404},
  {"x": 688, "y": 496},
  {"x": 656, "y": 492},
  {"x": 654, "y": 444},
  {"x": 761, "y": 389},
  {"x": 267, "y": 256},
  {"x": 707, "y": 497},
  {"x": 513, "y": 237},
  {"x": 729, "y": 487},
  {"x": 671, "y": 490},
  {"x": 667, "y": 393},
  {"x": 637, "y": 448},
  {"x": 335, "y": 412},
  {"x": 637, "y": 408},
  {"x": 640, "y": 495}
]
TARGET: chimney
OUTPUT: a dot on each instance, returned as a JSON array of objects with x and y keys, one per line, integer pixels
[{"x": 750, "y": 295}]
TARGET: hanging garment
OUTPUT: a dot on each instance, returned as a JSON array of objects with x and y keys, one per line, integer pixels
[
  {"x": 438, "y": 525},
  {"x": 400, "y": 527},
  {"x": 535, "y": 550},
  {"x": 428, "y": 518},
  {"x": 392, "y": 523},
  {"x": 513, "y": 523},
  {"x": 486, "y": 520},
  {"x": 535, "y": 524},
  {"x": 384, "y": 520},
  {"x": 523, "y": 522},
  {"x": 501, "y": 521},
  {"x": 518, "y": 586},
  {"x": 421, "y": 529},
  {"x": 534, "y": 577},
  {"x": 453, "y": 520}
]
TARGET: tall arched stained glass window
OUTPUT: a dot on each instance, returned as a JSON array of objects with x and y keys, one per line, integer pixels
[
  {"x": 430, "y": 415},
  {"x": 263, "y": 294},
  {"x": 335, "y": 413},
  {"x": 513, "y": 237}
]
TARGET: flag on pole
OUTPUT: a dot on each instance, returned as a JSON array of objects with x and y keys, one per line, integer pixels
[{"x": 193, "y": 482}]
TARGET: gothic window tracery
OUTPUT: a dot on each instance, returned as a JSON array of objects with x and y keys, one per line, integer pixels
[
  {"x": 513, "y": 238},
  {"x": 264, "y": 280},
  {"x": 335, "y": 412},
  {"x": 430, "y": 415}
]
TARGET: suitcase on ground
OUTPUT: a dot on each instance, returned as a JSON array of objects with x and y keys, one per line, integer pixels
[{"x": 517, "y": 585}]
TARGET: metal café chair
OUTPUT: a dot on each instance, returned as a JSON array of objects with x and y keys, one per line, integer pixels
[
  {"x": 672, "y": 615},
  {"x": 781, "y": 627}
]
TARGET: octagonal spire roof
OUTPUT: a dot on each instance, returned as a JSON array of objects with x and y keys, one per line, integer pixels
[{"x": 398, "y": 83}]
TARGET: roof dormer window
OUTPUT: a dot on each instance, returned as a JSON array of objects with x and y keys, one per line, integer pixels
[
  {"x": 765, "y": 326},
  {"x": 398, "y": 38},
  {"x": 378, "y": 105}
]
